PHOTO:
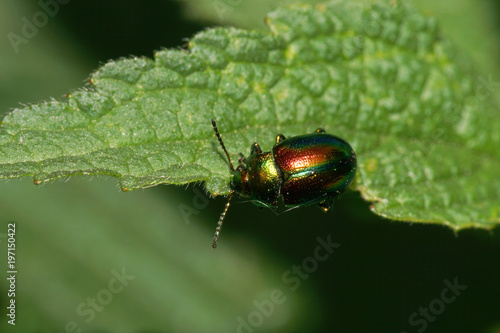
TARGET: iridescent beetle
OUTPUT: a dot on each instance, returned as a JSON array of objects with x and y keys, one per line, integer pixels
[{"x": 305, "y": 170}]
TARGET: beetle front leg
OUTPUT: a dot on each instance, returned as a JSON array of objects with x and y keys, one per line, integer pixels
[
  {"x": 279, "y": 138},
  {"x": 326, "y": 205},
  {"x": 319, "y": 130}
]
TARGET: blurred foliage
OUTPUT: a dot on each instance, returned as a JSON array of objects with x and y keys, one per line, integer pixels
[
  {"x": 471, "y": 24},
  {"x": 72, "y": 235}
]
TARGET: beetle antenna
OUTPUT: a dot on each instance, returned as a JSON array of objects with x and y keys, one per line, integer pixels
[
  {"x": 221, "y": 220},
  {"x": 223, "y": 147}
]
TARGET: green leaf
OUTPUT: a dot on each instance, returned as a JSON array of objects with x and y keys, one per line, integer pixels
[
  {"x": 469, "y": 23},
  {"x": 424, "y": 126}
]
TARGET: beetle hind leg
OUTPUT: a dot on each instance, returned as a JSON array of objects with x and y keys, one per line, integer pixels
[{"x": 326, "y": 205}]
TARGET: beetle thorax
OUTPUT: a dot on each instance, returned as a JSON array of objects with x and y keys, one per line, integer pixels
[
  {"x": 258, "y": 178},
  {"x": 239, "y": 183}
]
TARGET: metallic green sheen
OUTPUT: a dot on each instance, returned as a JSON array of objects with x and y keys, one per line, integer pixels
[{"x": 263, "y": 180}]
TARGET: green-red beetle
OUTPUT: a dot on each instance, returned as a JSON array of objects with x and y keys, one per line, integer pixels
[{"x": 304, "y": 170}]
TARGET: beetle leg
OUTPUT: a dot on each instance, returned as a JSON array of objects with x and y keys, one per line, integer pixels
[
  {"x": 242, "y": 159},
  {"x": 279, "y": 138},
  {"x": 326, "y": 205},
  {"x": 319, "y": 130},
  {"x": 255, "y": 149}
]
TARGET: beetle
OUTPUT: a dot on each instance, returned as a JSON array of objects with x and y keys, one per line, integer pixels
[{"x": 304, "y": 170}]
